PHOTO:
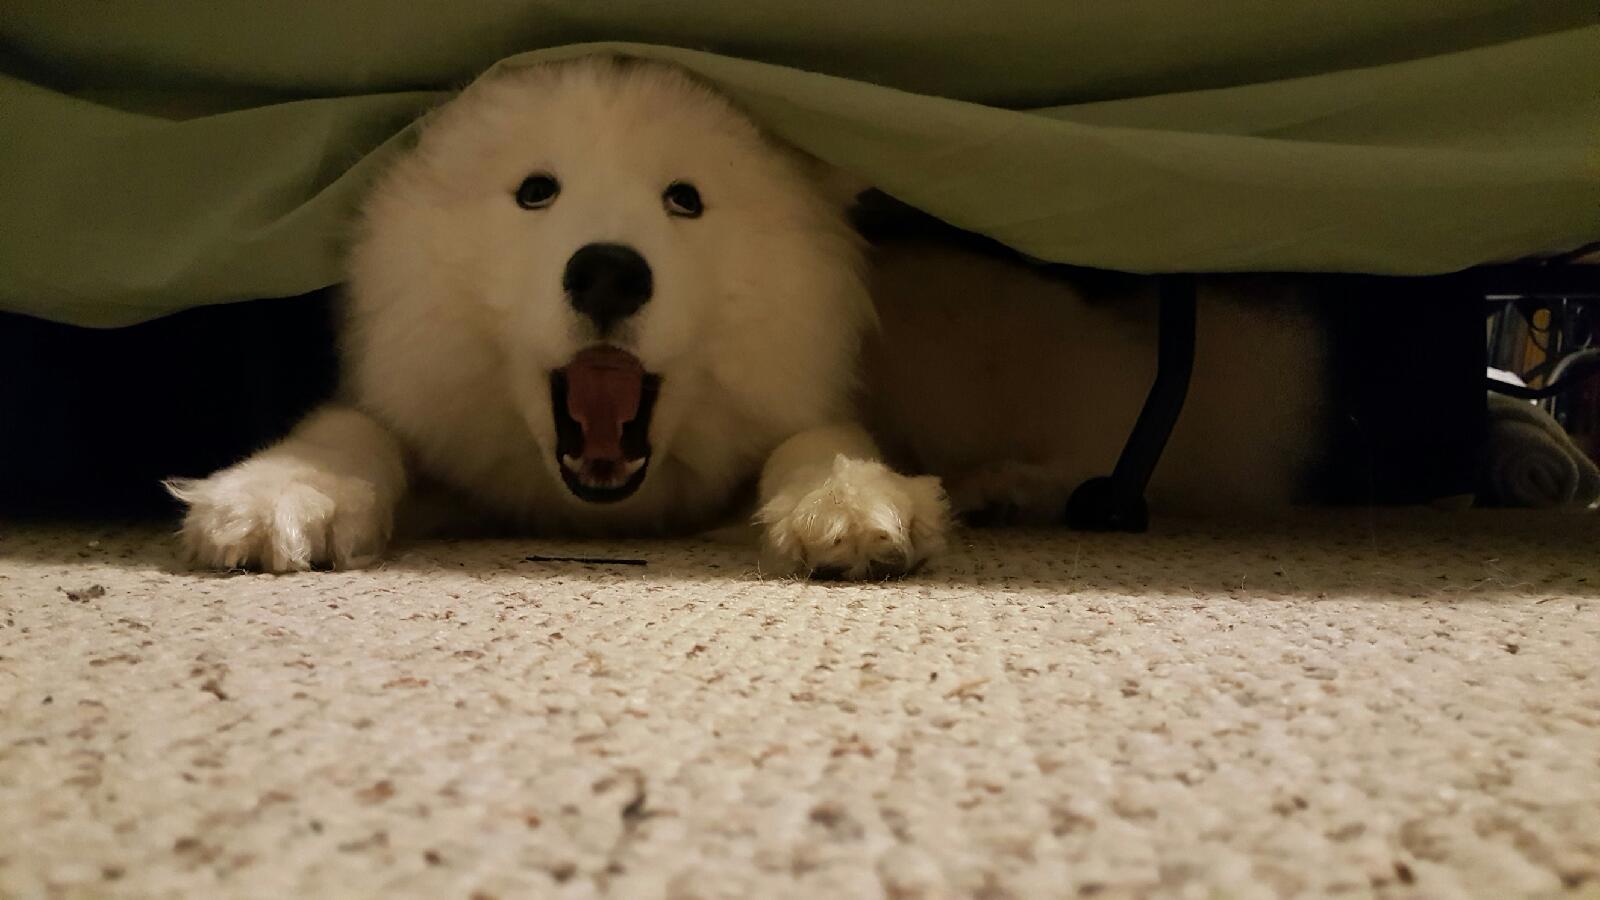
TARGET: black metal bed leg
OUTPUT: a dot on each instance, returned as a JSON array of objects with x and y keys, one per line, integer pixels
[{"x": 1116, "y": 502}]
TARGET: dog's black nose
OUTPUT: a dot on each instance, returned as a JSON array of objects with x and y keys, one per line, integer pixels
[{"x": 607, "y": 283}]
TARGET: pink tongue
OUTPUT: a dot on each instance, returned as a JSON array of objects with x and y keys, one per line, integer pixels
[{"x": 603, "y": 387}]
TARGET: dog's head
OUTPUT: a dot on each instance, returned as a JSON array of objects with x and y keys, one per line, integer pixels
[{"x": 613, "y": 252}]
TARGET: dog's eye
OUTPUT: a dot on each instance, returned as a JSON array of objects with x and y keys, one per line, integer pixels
[
  {"x": 537, "y": 191},
  {"x": 681, "y": 199}
]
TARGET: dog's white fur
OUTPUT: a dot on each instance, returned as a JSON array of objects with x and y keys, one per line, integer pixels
[
  {"x": 1010, "y": 385},
  {"x": 1015, "y": 385},
  {"x": 457, "y": 316}
]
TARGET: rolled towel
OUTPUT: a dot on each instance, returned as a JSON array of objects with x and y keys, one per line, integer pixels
[{"x": 1529, "y": 461}]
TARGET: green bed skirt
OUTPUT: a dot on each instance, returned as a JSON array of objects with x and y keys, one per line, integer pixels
[{"x": 160, "y": 156}]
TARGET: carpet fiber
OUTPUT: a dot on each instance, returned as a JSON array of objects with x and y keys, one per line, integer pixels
[{"x": 1392, "y": 707}]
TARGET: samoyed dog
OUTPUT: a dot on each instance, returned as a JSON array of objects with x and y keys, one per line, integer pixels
[
  {"x": 593, "y": 299},
  {"x": 596, "y": 299}
]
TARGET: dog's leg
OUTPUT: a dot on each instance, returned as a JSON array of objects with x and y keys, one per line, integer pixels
[
  {"x": 831, "y": 509},
  {"x": 323, "y": 496},
  {"x": 1008, "y": 492}
]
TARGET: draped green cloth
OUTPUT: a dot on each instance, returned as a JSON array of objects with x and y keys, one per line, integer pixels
[{"x": 160, "y": 156}]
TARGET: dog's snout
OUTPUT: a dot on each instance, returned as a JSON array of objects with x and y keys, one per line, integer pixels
[{"x": 607, "y": 283}]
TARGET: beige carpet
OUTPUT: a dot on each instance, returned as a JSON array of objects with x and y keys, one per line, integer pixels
[{"x": 1394, "y": 707}]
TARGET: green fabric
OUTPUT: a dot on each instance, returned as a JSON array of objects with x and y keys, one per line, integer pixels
[{"x": 158, "y": 156}]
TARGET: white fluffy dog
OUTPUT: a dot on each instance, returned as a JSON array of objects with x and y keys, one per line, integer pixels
[
  {"x": 593, "y": 300},
  {"x": 596, "y": 300}
]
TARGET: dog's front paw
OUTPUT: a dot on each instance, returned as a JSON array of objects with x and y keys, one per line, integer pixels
[
  {"x": 863, "y": 521},
  {"x": 280, "y": 515}
]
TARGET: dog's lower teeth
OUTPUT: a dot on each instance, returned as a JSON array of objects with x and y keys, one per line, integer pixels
[{"x": 623, "y": 471}]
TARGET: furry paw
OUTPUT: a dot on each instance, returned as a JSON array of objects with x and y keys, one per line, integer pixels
[
  {"x": 280, "y": 515},
  {"x": 862, "y": 521}
]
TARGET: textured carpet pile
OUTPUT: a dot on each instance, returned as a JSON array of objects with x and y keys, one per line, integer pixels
[{"x": 1342, "y": 705}]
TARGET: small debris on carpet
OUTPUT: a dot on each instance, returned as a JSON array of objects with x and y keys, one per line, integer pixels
[{"x": 588, "y": 560}]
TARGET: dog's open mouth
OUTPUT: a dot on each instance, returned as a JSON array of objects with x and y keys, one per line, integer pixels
[{"x": 602, "y": 401}]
